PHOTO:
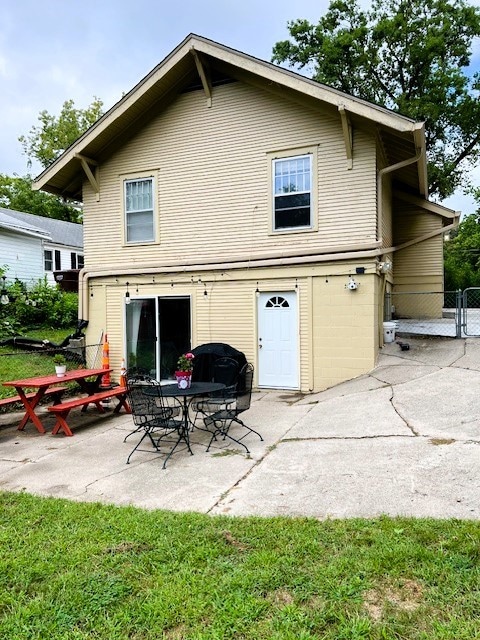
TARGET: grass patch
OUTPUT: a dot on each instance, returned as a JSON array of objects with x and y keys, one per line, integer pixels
[
  {"x": 226, "y": 452},
  {"x": 16, "y": 364},
  {"x": 71, "y": 571}
]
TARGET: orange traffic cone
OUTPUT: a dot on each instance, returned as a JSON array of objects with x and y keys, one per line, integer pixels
[{"x": 106, "y": 363}]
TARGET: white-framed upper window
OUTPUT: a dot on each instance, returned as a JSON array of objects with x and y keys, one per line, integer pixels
[
  {"x": 292, "y": 192},
  {"x": 139, "y": 208}
]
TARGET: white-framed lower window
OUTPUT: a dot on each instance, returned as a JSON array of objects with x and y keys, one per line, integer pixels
[
  {"x": 293, "y": 191},
  {"x": 139, "y": 203}
]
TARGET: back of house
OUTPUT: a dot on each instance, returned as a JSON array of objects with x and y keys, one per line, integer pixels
[{"x": 229, "y": 200}]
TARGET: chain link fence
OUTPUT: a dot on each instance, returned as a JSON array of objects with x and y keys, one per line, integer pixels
[
  {"x": 19, "y": 360},
  {"x": 453, "y": 314}
]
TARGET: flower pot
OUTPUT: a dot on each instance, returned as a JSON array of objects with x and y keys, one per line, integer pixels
[
  {"x": 60, "y": 370},
  {"x": 184, "y": 379}
]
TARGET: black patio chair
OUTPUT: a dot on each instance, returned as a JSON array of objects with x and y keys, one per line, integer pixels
[
  {"x": 136, "y": 376},
  {"x": 226, "y": 371},
  {"x": 220, "y": 422},
  {"x": 158, "y": 417}
]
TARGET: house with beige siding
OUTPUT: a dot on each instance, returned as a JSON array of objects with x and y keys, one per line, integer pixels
[{"x": 229, "y": 200}]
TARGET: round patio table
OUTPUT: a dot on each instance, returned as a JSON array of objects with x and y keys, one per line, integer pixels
[{"x": 186, "y": 395}]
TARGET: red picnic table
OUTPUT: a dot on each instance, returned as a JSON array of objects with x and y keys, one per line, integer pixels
[{"x": 48, "y": 385}]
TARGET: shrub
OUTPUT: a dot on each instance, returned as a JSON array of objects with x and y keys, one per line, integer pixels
[{"x": 39, "y": 305}]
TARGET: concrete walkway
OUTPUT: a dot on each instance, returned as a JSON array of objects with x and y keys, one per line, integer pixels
[{"x": 402, "y": 440}]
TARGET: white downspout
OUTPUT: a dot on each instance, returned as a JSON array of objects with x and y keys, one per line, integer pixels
[{"x": 381, "y": 173}]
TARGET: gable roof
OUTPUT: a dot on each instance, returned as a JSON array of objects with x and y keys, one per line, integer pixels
[
  {"x": 199, "y": 61},
  {"x": 56, "y": 231},
  {"x": 11, "y": 223}
]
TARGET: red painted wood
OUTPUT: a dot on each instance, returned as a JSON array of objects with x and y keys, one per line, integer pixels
[{"x": 63, "y": 409}]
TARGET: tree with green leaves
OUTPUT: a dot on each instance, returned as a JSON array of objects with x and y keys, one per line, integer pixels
[
  {"x": 46, "y": 142},
  {"x": 16, "y": 193},
  {"x": 409, "y": 56},
  {"x": 462, "y": 255}
]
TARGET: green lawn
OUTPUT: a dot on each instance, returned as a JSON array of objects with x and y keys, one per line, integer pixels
[
  {"x": 73, "y": 571},
  {"x": 16, "y": 364}
]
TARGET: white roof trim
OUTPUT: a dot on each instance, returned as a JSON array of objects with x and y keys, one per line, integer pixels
[{"x": 246, "y": 62}]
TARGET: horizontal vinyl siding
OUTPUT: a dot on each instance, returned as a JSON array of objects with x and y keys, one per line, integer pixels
[
  {"x": 347, "y": 210},
  {"x": 23, "y": 255},
  {"x": 422, "y": 260},
  {"x": 213, "y": 187},
  {"x": 337, "y": 328},
  {"x": 227, "y": 314}
]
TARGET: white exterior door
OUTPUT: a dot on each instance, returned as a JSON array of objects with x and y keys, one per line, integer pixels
[{"x": 278, "y": 340}]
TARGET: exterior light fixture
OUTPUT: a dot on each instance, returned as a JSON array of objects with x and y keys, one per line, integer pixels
[
  {"x": 127, "y": 295},
  {"x": 352, "y": 284},
  {"x": 385, "y": 267}
]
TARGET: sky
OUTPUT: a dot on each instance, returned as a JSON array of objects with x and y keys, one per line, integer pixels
[{"x": 56, "y": 50}]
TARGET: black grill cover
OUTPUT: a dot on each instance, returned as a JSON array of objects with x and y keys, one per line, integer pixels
[{"x": 205, "y": 356}]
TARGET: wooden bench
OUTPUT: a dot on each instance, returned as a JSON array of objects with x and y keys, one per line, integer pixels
[
  {"x": 63, "y": 409},
  {"x": 56, "y": 392}
]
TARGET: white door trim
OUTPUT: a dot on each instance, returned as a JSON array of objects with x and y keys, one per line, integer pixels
[{"x": 278, "y": 344}]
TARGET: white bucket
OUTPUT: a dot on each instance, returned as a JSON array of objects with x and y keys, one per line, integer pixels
[{"x": 389, "y": 331}]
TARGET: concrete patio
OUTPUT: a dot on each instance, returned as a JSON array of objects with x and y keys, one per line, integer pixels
[{"x": 401, "y": 440}]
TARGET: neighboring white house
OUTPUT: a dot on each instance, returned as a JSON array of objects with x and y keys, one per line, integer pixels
[{"x": 32, "y": 247}]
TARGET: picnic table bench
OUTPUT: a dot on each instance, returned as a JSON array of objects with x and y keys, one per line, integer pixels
[
  {"x": 62, "y": 409},
  {"x": 56, "y": 392}
]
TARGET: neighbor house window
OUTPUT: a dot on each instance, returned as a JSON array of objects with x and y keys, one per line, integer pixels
[
  {"x": 292, "y": 192},
  {"x": 76, "y": 260},
  {"x": 139, "y": 208},
  {"x": 48, "y": 260}
]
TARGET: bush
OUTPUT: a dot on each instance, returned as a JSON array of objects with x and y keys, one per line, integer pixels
[{"x": 39, "y": 305}]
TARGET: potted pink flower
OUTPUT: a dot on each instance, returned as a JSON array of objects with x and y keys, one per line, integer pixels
[{"x": 183, "y": 373}]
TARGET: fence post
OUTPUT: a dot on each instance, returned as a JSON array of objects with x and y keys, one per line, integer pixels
[
  {"x": 458, "y": 312},
  {"x": 387, "y": 306}
]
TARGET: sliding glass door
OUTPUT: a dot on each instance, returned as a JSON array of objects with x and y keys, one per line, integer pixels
[{"x": 158, "y": 330}]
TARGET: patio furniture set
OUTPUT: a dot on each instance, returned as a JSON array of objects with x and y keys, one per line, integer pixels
[{"x": 164, "y": 415}]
